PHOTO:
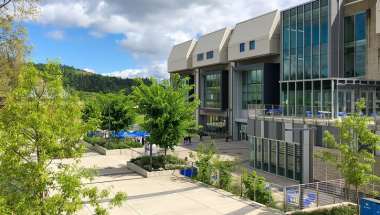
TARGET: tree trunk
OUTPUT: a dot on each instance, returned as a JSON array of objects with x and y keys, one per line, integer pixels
[{"x": 165, "y": 159}]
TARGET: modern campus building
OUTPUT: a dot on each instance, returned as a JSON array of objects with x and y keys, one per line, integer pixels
[{"x": 298, "y": 68}]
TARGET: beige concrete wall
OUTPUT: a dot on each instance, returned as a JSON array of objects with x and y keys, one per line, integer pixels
[
  {"x": 180, "y": 57},
  {"x": 373, "y": 40}
]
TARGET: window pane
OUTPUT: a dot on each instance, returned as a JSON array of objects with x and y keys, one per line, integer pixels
[
  {"x": 293, "y": 36},
  {"x": 360, "y": 46},
  {"x": 266, "y": 154},
  {"x": 349, "y": 33},
  {"x": 293, "y": 67},
  {"x": 290, "y": 161},
  {"x": 307, "y": 67},
  {"x": 258, "y": 153},
  {"x": 324, "y": 48},
  {"x": 324, "y": 65},
  {"x": 324, "y": 11},
  {"x": 286, "y": 70},
  {"x": 281, "y": 159},
  {"x": 286, "y": 38},
  {"x": 315, "y": 31},
  {"x": 360, "y": 26},
  {"x": 316, "y": 66},
  {"x": 308, "y": 33},
  {"x": 307, "y": 51},
  {"x": 300, "y": 35},
  {"x": 317, "y": 95},
  {"x": 324, "y": 30},
  {"x": 360, "y": 64},
  {"x": 300, "y": 64},
  {"x": 273, "y": 159},
  {"x": 241, "y": 47},
  {"x": 252, "y": 45},
  {"x": 316, "y": 49},
  {"x": 349, "y": 62},
  {"x": 307, "y": 16},
  {"x": 293, "y": 17}
]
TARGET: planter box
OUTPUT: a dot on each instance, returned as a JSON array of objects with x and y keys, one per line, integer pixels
[
  {"x": 135, "y": 152},
  {"x": 148, "y": 174}
]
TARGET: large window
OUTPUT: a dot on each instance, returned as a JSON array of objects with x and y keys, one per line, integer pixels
[
  {"x": 210, "y": 54},
  {"x": 305, "y": 41},
  {"x": 212, "y": 91},
  {"x": 252, "y": 87},
  {"x": 355, "y": 45},
  {"x": 242, "y": 47},
  {"x": 215, "y": 124},
  {"x": 200, "y": 57}
]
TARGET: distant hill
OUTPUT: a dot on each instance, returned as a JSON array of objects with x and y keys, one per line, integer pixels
[{"x": 84, "y": 81}]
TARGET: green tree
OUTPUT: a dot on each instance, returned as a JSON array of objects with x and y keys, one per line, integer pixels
[
  {"x": 172, "y": 111},
  {"x": 122, "y": 111},
  {"x": 205, "y": 157},
  {"x": 354, "y": 148},
  {"x": 40, "y": 125},
  {"x": 255, "y": 186},
  {"x": 14, "y": 46}
]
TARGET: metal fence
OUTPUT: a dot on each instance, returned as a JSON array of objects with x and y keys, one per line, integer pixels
[{"x": 297, "y": 197}]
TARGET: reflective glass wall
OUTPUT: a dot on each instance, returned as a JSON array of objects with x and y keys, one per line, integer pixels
[
  {"x": 276, "y": 157},
  {"x": 215, "y": 124},
  {"x": 313, "y": 96},
  {"x": 212, "y": 91},
  {"x": 355, "y": 45},
  {"x": 305, "y": 41},
  {"x": 252, "y": 87}
]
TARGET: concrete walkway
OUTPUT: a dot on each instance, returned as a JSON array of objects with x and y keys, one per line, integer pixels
[{"x": 169, "y": 195}]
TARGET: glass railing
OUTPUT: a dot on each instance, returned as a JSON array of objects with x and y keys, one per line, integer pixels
[{"x": 307, "y": 112}]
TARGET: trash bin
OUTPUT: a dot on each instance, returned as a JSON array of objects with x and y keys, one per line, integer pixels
[{"x": 369, "y": 206}]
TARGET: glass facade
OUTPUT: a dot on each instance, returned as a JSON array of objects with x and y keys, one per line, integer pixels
[
  {"x": 212, "y": 91},
  {"x": 313, "y": 96},
  {"x": 252, "y": 87},
  {"x": 305, "y": 41},
  {"x": 355, "y": 45},
  {"x": 276, "y": 157},
  {"x": 215, "y": 124}
]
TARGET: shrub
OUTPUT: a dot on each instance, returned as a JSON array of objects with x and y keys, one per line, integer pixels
[
  {"x": 341, "y": 210},
  {"x": 262, "y": 195},
  {"x": 115, "y": 144},
  {"x": 157, "y": 161}
]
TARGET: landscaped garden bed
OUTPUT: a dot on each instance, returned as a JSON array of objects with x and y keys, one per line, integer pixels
[
  {"x": 115, "y": 143},
  {"x": 159, "y": 166},
  {"x": 340, "y": 210},
  {"x": 128, "y": 147}
]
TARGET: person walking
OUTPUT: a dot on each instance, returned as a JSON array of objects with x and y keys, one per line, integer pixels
[
  {"x": 201, "y": 136},
  {"x": 227, "y": 136},
  {"x": 189, "y": 138}
]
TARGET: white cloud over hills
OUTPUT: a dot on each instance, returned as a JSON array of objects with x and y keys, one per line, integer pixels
[{"x": 152, "y": 27}]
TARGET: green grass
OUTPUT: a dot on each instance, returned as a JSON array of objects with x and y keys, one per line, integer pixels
[{"x": 139, "y": 120}]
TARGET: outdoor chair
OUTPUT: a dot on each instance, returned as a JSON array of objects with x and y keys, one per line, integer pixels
[
  {"x": 312, "y": 195},
  {"x": 309, "y": 114},
  {"x": 158, "y": 153},
  {"x": 153, "y": 154},
  {"x": 373, "y": 114},
  {"x": 362, "y": 114},
  {"x": 289, "y": 200},
  {"x": 270, "y": 112},
  {"x": 278, "y": 111},
  {"x": 342, "y": 114},
  {"x": 290, "y": 192}
]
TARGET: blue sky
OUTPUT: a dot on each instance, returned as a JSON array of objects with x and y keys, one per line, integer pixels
[{"x": 128, "y": 38}]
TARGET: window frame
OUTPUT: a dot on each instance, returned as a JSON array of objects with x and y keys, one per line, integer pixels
[
  {"x": 212, "y": 55},
  {"x": 242, "y": 47},
  {"x": 200, "y": 57},
  {"x": 250, "y": 45}
]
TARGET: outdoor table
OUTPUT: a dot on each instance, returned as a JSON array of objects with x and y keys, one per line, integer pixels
[
  {"x": 324, "y": 113},
  {"x": 262, "y": 112}
]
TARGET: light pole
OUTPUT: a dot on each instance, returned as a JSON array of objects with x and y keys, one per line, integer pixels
[{"x": 109, "y": 124}]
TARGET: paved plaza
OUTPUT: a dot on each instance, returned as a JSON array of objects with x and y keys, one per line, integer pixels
[{"x": 169, "y": 195}]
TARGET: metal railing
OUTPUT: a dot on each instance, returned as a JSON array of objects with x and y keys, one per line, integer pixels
[
  {"x": 306, "y": 113},
  {"x": 296, "y": 197}
]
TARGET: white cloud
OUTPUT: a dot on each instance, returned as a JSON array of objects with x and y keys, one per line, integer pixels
[
  {"x": 152, "y": 27},
  {"x": 55, "y": 35},
  {"x": 90, "y": 70},
  {"x": 157, "y": 69}
]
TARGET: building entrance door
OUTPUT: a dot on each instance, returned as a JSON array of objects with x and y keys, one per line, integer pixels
[
  {"x": 345, "y": 101},
  {"x": 243, "y": 133}
]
